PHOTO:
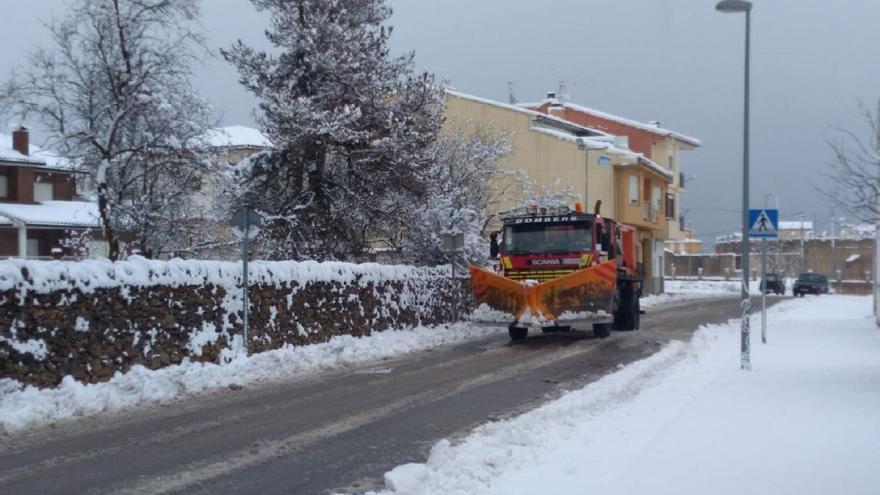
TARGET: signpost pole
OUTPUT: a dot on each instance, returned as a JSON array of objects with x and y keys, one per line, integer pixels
[
  {"x": 245, "y": 218},
  {"x": 452, "y": 244},
  {"x": 763, "y": 290},
  {"x": 764, "y": 223},
  {"x": 455, "y": 290},
  {"x": 244, "y": 284}
]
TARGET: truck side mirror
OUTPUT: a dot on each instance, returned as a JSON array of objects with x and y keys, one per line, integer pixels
[{"x": 493, "y": 245}]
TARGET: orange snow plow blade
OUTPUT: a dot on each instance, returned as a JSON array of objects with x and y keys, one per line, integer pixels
[
  {"x": 500, "y": 293},
  {"x": 590, "y": 289}
]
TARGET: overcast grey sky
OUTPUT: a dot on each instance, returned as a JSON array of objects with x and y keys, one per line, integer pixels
[{"x": 676, "y": 61}]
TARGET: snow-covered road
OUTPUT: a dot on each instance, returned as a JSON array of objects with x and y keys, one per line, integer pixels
[{"x": 687, "y": 420}]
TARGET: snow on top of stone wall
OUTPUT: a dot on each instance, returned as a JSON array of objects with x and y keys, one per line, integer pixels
[{"x": 88, "y": 275}]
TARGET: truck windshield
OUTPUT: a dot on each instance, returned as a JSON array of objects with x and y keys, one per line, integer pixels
[{"x": 544, "y": 238}]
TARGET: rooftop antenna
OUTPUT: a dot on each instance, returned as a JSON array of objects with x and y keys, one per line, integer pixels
[
  {"x": 562, "y": 93},
  {"x": 510, "y": 97}
]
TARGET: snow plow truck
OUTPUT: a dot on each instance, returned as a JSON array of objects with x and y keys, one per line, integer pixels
[{"x": 560, "y": 269}]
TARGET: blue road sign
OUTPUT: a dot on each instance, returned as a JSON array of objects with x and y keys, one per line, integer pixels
[{"x": 764, "y": 223}]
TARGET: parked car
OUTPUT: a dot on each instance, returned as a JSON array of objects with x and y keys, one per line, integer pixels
[
  {"x": 810, "y": 283},
  {"x": 773, "y": 283}
]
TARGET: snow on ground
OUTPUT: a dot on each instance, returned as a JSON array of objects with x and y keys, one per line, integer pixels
[
  {"x": 656, "y": 300},
  {"x": 687, "y": 420},
  {"x": 21, "y": 408},
  {"x": 709, "y": 286},
  {"x": 684, "y": 290}
]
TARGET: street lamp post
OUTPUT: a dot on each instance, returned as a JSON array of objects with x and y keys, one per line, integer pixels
[{"x": 735, "y": 7}]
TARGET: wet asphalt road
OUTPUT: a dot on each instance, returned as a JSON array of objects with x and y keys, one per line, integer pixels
[{"x": 337, "y": 431}]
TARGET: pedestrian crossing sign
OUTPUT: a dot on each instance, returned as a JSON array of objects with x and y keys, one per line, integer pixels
[{"x": 764, "y": 223}]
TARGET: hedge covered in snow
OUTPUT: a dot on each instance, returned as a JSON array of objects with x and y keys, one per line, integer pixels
[{"x": 93, "y": 318}]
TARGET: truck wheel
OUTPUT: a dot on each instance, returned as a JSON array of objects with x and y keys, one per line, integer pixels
[
  {"x": 618, "y": 322},
  {"x": 636, "y": 312},
  {"x": 627, "y": 315},
  {"x": 601, "y": 330},
  {"x": 518, "y": 333}
]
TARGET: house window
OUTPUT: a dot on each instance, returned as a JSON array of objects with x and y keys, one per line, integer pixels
[
  {"x": 33, "y": 248},
  {"x": 634, "y": 189},
  {"x": 670, "y": 206},
  {"x": 656, "y": 195},
  {"x": 4, "y": 187},
  {"x": 43, "y": 191}
]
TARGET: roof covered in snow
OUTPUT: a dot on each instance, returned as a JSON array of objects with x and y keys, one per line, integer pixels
[
  {"x": 37, "y": 156},
  {"x": 538, "y": 116},
  {"x": 795, "y": 225},
  {"x": 52, "y": 213},
  {"x": 655, "y": 129},
  {"x": 575, "y": 133},
  {"x": 7, "y": 154},
  {"x": 236, "y": 136},
  {"x": 862, "y": 231},
  {"x": 609, "y": 147}
]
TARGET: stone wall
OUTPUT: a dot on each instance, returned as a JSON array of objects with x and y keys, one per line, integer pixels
[
  {"x": 92, "y": 319},
  {"x": 689, "y": 265},
  {"x": 852, "y": 258}
]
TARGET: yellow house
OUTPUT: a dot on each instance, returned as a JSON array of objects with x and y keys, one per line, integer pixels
[
  {"x": 596, "y": 165},
  {"x": 660, "y": 145},
  {"x": 687, "y": 245}
]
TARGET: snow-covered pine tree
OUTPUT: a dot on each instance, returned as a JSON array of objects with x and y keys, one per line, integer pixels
[
  {"x": 114, "y": 96},
  {"x": 353, "y": 127}
]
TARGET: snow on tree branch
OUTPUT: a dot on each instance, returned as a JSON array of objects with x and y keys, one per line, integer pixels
[{"x": 114, "y": 95}]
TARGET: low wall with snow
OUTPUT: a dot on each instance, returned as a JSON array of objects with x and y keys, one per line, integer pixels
[{"x": 91, "y": 319}]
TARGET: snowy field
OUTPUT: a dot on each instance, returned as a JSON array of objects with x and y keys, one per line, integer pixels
[{"x": 687, "y": 421}]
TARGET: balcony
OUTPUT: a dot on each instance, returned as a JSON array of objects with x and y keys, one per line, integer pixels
[{"x": 642, "y": 214}]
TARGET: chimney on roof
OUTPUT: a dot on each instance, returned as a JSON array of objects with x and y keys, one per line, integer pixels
[
  {"x": 555, "y": 107},
  {"x": 20, "y": 141}
]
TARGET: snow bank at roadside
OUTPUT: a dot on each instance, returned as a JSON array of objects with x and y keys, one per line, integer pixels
[
  {"x": 687, "y": 420},
  {"x": 22, "y": 408},
  {"x": 655, "y": 300},
  {"x": 88, "y": 275},
  {"x": 709, "y": 286}
]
